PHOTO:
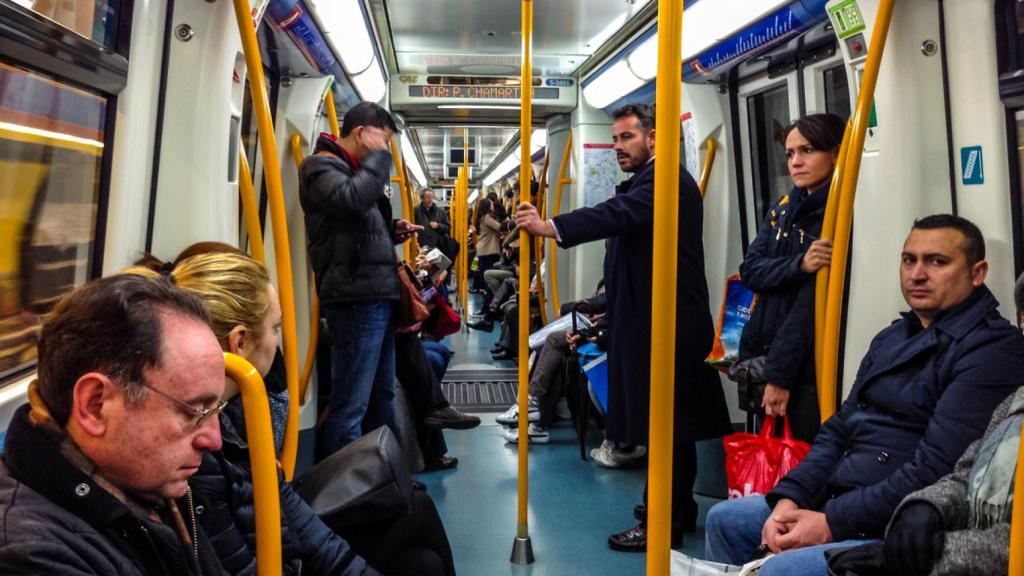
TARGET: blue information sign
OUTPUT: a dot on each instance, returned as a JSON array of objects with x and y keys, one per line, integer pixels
[{"x": 972, "y": 170}]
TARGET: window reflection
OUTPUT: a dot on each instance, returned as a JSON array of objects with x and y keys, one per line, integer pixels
[
  {"x": 94, "y": 19},
  {"x": 51, "y": 147},
  {"x": 768, "y": 114}
]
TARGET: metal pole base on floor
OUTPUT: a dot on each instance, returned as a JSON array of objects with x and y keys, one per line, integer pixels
[{"x": 522, "y": 551}]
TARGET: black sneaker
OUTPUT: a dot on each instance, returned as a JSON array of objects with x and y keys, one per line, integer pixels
[
  {"x": 632, "y": 540},
  {"x": 449, "y": 417}
]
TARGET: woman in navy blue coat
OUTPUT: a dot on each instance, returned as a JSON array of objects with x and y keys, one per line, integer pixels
[{"x": 780, "y": 266}]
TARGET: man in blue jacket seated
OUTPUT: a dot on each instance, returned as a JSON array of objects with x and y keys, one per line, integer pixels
[{"x": 925, "y": 390}]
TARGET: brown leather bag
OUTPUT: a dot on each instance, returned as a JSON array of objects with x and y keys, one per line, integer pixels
[{"x": 411, "y": 308}]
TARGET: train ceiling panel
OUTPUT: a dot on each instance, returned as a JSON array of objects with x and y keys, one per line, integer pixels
[
  {"x": 492, "y": 140},
  {"x": 473, "y": 37}
]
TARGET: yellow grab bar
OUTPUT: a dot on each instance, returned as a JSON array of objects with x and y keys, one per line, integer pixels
[
  {"x": 1017, "y": 517},
  {"x": 664, "y": 286},
  {"x": 258, "y": 432},
  {"x": 828, "y": 232},
  {"x": 332, "y": 113},
  {"x": 556, "y": 301},
  {"x": 314, "y": 323},
  {"x": 282, "y": 246},
  {"x": 249, "y": 210},
  {"x": 463, "y": 194},
  {"x": 525, "y": 171},
  {"x": 406, "y": 212},
  {"x": 844, "y": 218},
  {"x": 542, "y": 207},
  {"x": 709, "y": 163}
]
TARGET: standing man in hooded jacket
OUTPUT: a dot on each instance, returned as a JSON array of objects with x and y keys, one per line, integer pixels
[
  {"x": 627, "y": 220},
  {"x": 351, "y": 238}
]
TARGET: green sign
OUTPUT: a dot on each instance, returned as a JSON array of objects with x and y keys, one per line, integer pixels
[{"x": 846, "y": 18}]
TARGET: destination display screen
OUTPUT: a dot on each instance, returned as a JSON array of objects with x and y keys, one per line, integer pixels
[{"x": 479, "y": 92}]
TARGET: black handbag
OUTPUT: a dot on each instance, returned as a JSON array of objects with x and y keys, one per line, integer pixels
[
  {"x": 366, "y": 481},
  {"x": 750, "y": 382}
]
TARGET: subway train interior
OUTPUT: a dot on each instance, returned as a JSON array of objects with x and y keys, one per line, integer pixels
[{"x": 130, "y": 127}]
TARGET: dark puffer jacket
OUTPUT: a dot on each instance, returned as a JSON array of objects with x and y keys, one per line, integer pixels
[
  {"x": 782, "y": 325},
  {"x": 920, "y": 398},
  {"x": 55, "y": 519},
  {"x": 349, "y": 229},
  {"x": 225, "y": 492}
]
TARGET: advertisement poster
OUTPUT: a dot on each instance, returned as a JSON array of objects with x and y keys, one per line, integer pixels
[
  {"x": 600, "y": 173},
  {"x": 688, "y": 132}
]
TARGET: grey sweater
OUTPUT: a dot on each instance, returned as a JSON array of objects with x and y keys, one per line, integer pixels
[{"x": 968, "y": 551}]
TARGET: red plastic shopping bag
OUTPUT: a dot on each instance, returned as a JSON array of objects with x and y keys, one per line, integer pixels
[{"x": 754, "y": 463}]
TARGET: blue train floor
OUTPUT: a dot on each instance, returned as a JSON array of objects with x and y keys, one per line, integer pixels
[{"x": 573, "y": 505}]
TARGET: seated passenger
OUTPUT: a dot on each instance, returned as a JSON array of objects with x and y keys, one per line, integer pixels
[
  {"x": 94, "y": 478},
  {"x": 959, "y": 526},
  {"x": 923, "y": 393},
  {"x": 246, "y": 317},
  {"x": 780, "y": 265}
]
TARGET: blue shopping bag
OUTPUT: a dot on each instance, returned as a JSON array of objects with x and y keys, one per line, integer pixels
[
  {"x": 737, "y": 306},
  {"x": 594, "y": 363}
]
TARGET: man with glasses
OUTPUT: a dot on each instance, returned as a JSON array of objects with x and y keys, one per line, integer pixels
[{"x": 94, "y": 477}]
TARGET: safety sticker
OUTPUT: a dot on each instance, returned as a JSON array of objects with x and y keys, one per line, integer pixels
[{"x": 972, "y": 169}]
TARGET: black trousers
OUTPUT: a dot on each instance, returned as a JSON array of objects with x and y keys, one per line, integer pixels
[
  {"x": 684, "y": 474},
  {"x": 423, "y": 392},
  {"x": 413, "y": 545}
]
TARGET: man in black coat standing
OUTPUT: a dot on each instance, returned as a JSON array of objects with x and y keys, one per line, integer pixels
[
  {"x": 433, "y": 219},
  {"x": 627, "y": 220}
]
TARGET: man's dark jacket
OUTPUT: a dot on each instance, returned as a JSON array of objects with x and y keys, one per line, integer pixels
[
  {"x": 920, "y": 398},
  {"x": 56, "y": 519},
  {"x": 782, "y": 324},
  {"x": 627, "y": 220},
  {"x": 349, "y": 230},
  {"x": 424, "y": 216},
  {"x": 223, "y": 487}
]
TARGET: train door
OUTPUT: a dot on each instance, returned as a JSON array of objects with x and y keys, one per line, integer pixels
[
  {"x": 805, "y": 76},
  {"x": 1010, "y": 55}
]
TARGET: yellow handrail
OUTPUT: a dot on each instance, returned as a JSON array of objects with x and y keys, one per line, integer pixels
[
  {"x": 332, "y": 113},
  {"x": 464, "y": 180},
  {"x": 406, "y": 212},
  {"x": 828, "y": 231},
  {"x": 258, "y": 432},
  {"x": 709, "y": 163},
  {"x": 463, "y": 195},
  {"x": 282, "y": 246},
  {"x": 249, "y": 210},
  {"x": 556, "y": 301},
  {"x": 1017, "y": 517},
  {"x": 314, "y": 322},
  {"x": 844, "y": 219},
  {"x": 525, "y": 171},
  {"x": 664, "y": 286},
  {"x": 542, "y": 207}
]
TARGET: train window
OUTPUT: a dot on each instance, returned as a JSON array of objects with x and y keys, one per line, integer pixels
[
  {"x": 93, "y": 19},
  {"x": 768, "y": 114},
  {"x": 837, "y": 92},
  {"x": 51, "y": 148}
]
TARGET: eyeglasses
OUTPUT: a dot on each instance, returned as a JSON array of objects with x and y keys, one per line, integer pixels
[{"x": 201, "y": 415}]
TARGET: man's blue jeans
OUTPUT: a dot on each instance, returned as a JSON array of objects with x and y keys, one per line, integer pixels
[
  {"x": 733, "y": 532},
  {"x": 362, "y": 372},
  {"x": 438, "y": 355}
]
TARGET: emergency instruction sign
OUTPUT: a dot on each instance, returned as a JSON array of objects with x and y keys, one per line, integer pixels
[{"x": 972, "y": 170}]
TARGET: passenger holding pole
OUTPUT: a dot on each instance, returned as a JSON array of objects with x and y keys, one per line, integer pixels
[
  {"x": 776, "y": 353},
  {"x": 627, "y": 220}
]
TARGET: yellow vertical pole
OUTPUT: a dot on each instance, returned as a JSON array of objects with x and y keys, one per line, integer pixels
[
  {"x": 663, "y": 282},
  {"x": 260, "y": 435},
  {"x": 332, "y": 113},
  {"x": 844, "y": 219},
  {"x": 464, "y": 215},
  {"x": 396, "y": 154},
  {"x": 1017, "y": 516},
  {"x": 522, "y": 549},
  {"x": 556, "y": 301},
  {"x": 282, "y": 246},
  {"x": 828, "y": 232},
  {"x": 314, "y": 313},
  {"x": 252, "y": 217}
]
